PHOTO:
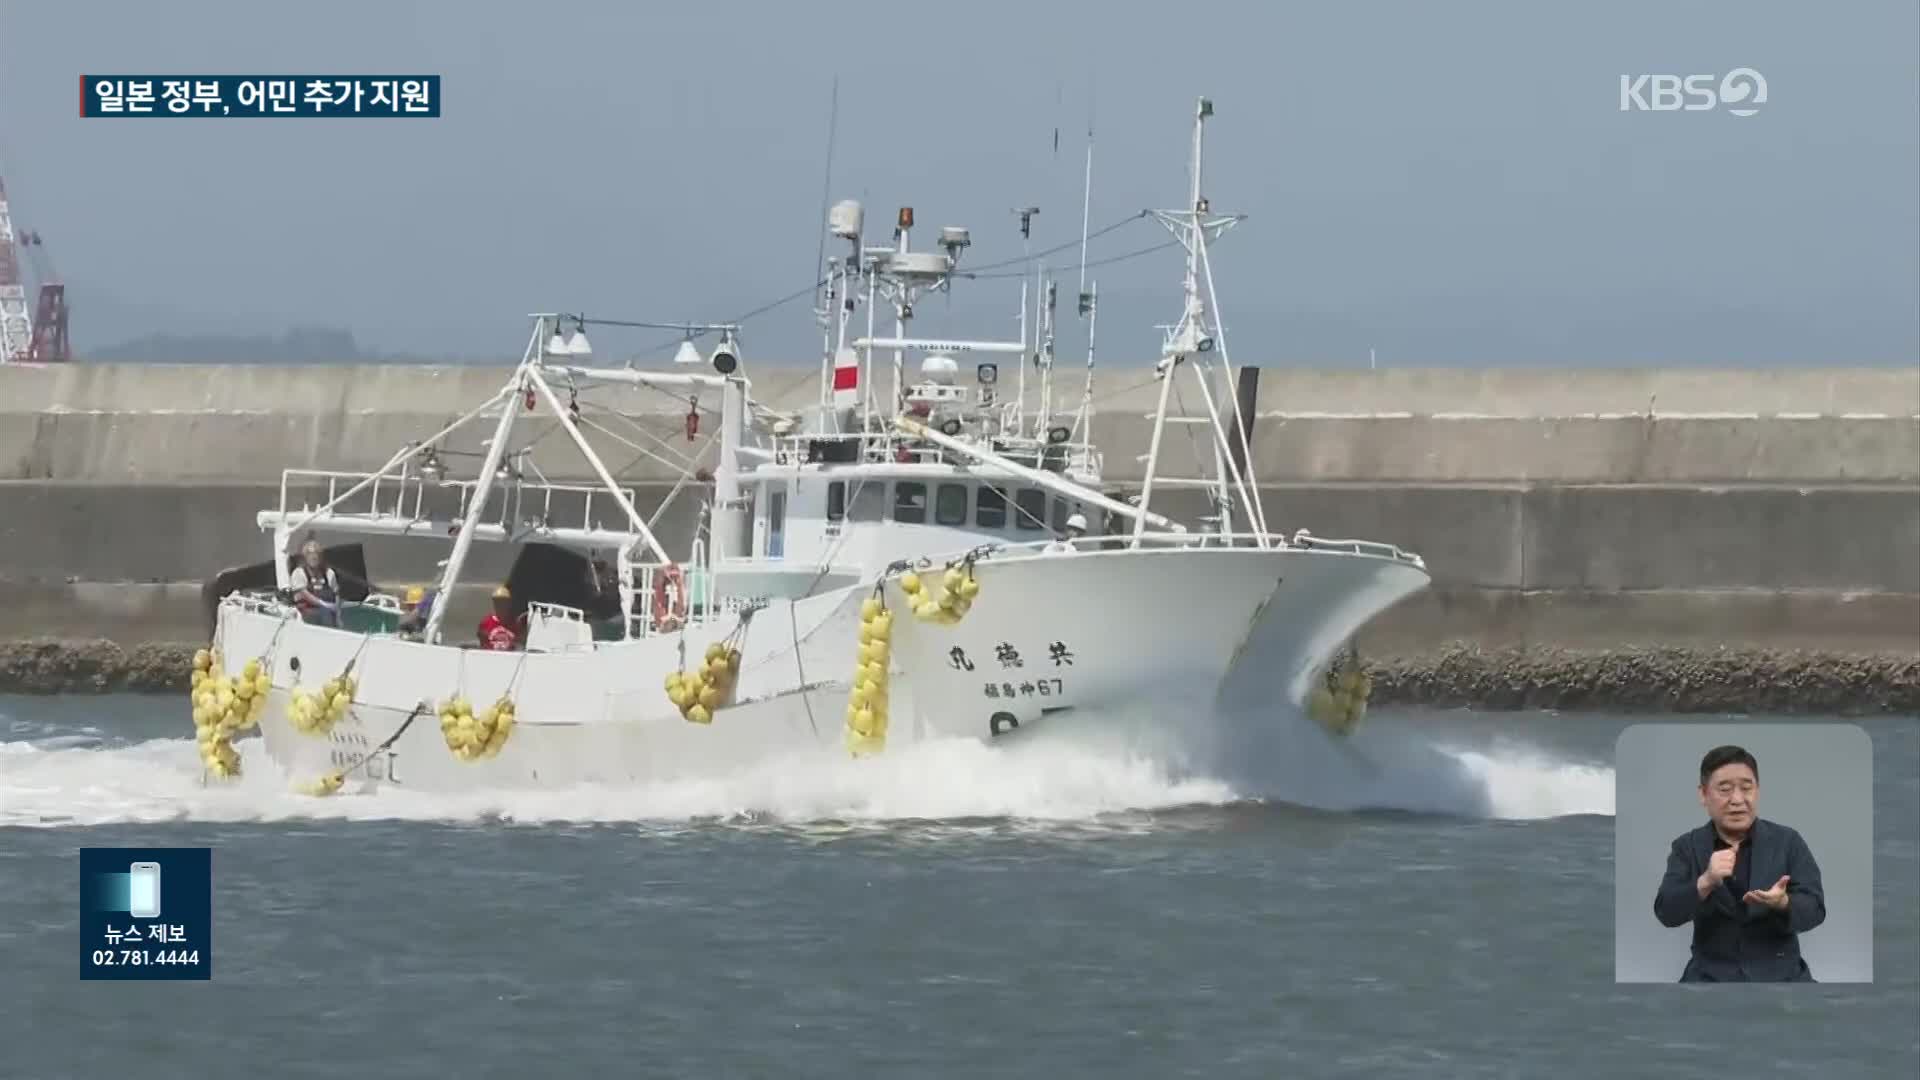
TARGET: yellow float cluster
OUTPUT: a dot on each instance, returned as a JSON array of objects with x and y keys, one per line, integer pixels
[
  {"x": 958, "y": 587},
  {"x": 867, "y": 704},
  {"x": 326, "y": 785},
  {"x": 315, "y": 712},
  {"x": 708, "y": 687},
  {"x": 473, "y": 737},
  {"x": 223, "y": 706},
  {"x": 1340, "y": 707}
]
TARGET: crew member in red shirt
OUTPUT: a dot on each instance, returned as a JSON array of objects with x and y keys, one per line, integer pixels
[{"x": 500, "y": 630}]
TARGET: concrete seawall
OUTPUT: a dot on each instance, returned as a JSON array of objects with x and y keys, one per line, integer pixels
[
  {"x": 1595, "y": 509},
  {"x": 193, "y": 424}
]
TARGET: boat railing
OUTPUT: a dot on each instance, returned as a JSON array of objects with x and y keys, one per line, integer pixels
[
  {"x": 702, "y": 573},
  {"x": 259, "y": 602},
  {"x": 547, "y": 610},
  {"x": 403, "y": 497},
  {"x": 695, "y": 573},
  {"x": 557, "y": 628},
  {"x": 898, "y": 448},
  {"x": 1302, "y": 540}
]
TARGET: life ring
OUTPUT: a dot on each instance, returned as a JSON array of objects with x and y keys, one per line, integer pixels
[{"x": 669, "y": 614}]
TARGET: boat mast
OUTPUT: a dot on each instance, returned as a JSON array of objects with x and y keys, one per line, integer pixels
[
  {"x": 1026, "y": 255},
  {"x": 866, "y": 355},
  {"x": 1197, "y": 313},
  {"x": 1197, "y": 335},
  {"x": 902, "y": 307},
  {"x": 483, "y": 485},
  {"x": 841, "y": 391}
]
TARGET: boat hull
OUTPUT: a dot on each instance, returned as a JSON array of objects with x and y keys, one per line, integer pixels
[
  {"x": 1235, "y": 632},
  {"x": 1220, "y": 629}
]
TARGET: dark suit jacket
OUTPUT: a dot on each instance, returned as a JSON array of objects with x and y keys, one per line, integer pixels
[{"x": 1735, "y": 941}]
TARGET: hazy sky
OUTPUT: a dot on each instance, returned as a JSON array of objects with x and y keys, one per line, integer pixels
[{"x": 1447, "y": 183}]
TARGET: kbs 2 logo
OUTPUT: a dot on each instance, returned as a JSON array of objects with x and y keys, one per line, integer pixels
[{"x": 1741, "y": 91}]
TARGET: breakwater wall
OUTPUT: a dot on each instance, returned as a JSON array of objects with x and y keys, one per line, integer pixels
[{"x": 1583, "y": 510}]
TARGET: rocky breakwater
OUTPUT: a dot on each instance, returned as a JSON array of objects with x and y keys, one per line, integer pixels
[{"x": 1648, "y": 680}]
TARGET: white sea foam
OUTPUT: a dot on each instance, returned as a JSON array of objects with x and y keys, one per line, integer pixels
[{"x": 1072, "y": 772}]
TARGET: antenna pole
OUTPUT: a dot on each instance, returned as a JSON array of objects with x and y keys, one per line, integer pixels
[
  {"x": 866, "y": 358},
  {"x": 1020, "y": 386},
  {"x": 1086, "y": 208},
  {"x": 1026, "y": 251},
  {"x": 1047, "y": 296},
  {"x": 1083, "y": 423},
  {"x": 902, "y": 311},
  {"x": 820, "y": 310}
]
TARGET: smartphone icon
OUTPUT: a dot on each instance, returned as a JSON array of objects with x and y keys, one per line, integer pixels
[{"x": 143, "y": 892}]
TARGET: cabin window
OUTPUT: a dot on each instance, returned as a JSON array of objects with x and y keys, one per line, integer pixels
[
  {"x": 869, "y": 501},
  {"x": 910, "y": 502},
  {"x": 1060, "y": 511},
  {"x": 950, "y": 505},
  {"x": 1030, "y": 506},
  {"x": 776, "y": 523},
  {"x": 990, "y": 511},
  {"x": 837, "y": 500}
]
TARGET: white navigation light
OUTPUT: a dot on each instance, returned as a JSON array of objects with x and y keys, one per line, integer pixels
[
  {"x": 955, "y": 239},
  {"x": 686, "y": 354},
  {"x": 579, "y": 345}
]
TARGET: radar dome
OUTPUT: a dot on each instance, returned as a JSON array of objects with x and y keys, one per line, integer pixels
[
  {"x": 939, "y": 368},
  {"x": 846, "y": 218}
]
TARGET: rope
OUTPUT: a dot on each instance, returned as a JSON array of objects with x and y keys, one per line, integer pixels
[
  {"x": 355, "y": 658},
  {"x": 334, "y": 780},
  {"x": 685, "y": 461},
  {"x": 273, "y": 643},
  {"x": 685, "y": 475},
  {"x": 977, "y": 276},
  {"x": 793, "y": 622},
  {"x": 513, "y": 680}
]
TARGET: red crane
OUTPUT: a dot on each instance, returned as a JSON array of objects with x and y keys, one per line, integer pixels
[{"x": 41, "y": 339}]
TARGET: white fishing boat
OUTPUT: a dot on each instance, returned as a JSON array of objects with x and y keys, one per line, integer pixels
[{"x": 885, "y": 567}]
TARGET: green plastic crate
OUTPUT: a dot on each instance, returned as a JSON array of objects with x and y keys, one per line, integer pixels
[{"x": 364, "y": 618}]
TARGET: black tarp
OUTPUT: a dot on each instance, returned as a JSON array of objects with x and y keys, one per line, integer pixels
[{"x": 349, "y": 563}]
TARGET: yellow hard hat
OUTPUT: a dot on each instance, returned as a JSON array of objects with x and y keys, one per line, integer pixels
[
  {"x": 415, "y": 594},
  {"x": 502, "y": 593}
]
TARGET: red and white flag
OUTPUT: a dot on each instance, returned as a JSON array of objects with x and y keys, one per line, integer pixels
[{"x": 846, "y": 379}]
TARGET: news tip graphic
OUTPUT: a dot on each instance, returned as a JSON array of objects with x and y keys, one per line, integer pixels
[
  {"x": 252, "y": 96},
  {"x": 146, "y": 913}
]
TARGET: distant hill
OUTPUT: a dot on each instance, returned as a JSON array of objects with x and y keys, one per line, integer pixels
[{"x": 301, "y": 345}]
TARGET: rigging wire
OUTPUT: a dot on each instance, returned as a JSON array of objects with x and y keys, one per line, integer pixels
[{"x": 973, "y": 274}]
